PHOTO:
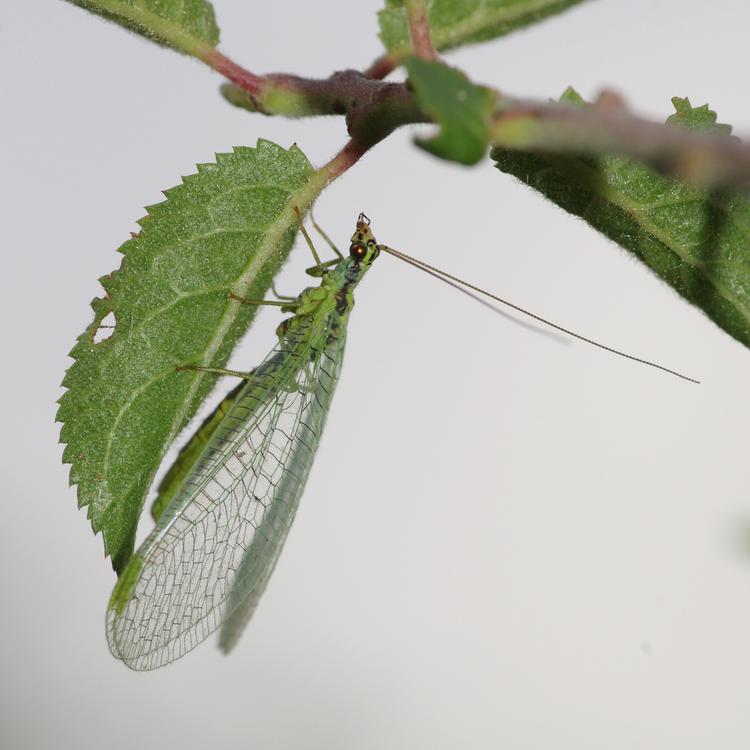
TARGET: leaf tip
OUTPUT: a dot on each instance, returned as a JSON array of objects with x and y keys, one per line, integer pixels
[{"x": 701, "y": 117}]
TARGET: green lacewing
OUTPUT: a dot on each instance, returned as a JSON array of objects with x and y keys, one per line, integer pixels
[{"x": 229, "y": 502}]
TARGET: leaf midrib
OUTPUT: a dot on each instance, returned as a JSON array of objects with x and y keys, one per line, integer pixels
[{"x": 477, "y": 21}]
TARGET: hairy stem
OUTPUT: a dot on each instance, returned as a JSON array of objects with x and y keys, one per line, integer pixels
[
  {"x": 233, "y": 72},
  {"x": 374, "y": 108},
  {"x": 419, "y": 30},
  {"x": 346, "y": 158}
]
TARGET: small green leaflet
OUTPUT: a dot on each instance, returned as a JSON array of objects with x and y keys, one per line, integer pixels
[
  {"x": 697, "y": 240},
  {"x": 185, "y": 25},
  {"x": 462, "y": 109},
  {"x": 225, "y": 229},
  {"x": 457, "y": 22},
  {"x": 216, "y": 542}
]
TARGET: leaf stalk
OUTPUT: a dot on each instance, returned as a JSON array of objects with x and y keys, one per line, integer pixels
[{"x": 419, "y": 30}]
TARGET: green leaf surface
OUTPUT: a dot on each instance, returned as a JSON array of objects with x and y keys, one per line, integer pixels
[
  {"x": 457, "y": 22},
  {"x": 697, "y": 240},
  {"x": 226, "y": 228},
  {"x": 462, "y": 109},
  {"x": 185, "y": 25},
  {"x": 692, "y": 118}
]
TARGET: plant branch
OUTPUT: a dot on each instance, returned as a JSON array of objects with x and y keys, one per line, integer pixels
[
  {"x": 374, "y": 108},
  {"x": 419, "y": 30},
  {"x": 608, "y": 127}
]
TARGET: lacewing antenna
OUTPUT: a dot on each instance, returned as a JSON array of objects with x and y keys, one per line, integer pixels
[{"x": 448, "y": 278}]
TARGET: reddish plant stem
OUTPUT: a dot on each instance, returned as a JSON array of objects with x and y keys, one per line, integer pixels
[
  {"x": 419, "y": 30},
  {"x": 374, "y": 109},
  {"x": 381, "y": 67},
  {"x": 352, "y": 152},
  {"x": 234, "y": 72}
]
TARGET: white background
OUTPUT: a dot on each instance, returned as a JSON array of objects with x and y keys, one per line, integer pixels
[{"x": 506, "y": 541}]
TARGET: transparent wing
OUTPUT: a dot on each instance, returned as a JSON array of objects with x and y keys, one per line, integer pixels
[
  {"x": 210, "y": 556},
  {"x": 188, "y": 459},
  {"x": 260, "y": 558}
]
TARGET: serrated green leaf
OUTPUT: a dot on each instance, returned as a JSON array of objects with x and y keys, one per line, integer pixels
[
  {"x": 185, "y": 25},
  {"x": 457, "y": 22},
  {"x": 226, "y": 228},
  {"x": 462, "y": 109},
  {"x": 698, "y": 241}
]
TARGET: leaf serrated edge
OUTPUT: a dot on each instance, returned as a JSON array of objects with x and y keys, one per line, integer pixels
[{"x": 302, "y": 198}]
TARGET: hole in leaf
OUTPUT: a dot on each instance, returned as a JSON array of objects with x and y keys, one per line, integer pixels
[{"x": 106, "y": 328}]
